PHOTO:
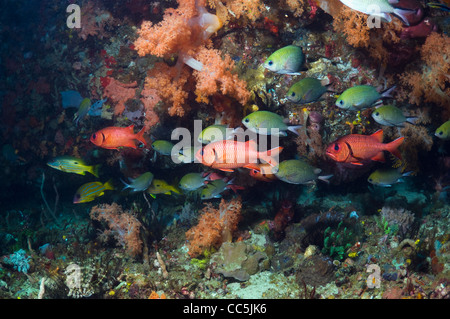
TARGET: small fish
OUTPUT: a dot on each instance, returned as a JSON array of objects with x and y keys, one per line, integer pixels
[
  {"x": 268, "y": 123},
  {"x": 159, "y": 186},
  {"x": 70, "y": 164},
  {"x": 90, "y": 191},
  {"x": 193, "y": 181},
  {"x": 305, "y": 91},
  {"x": 163, "y": 147},
  {"x": 215, "y": 188},
  {"x": 386, "y": 177},
  {"x": 226, "y": 155},
  {"x": 83, "y": 109},
  {"x": 298, "y": 172},
  {"x": 361, "y": 97},
  {"x": 139, "y": 184},
  {"x": 287, "y": 60},
  {"x": 114, "y": 137},
  {"x": 390, "y": 115},
  {"x": 262, "y": 172},
  {"x": 186, "y": 155},
  {"x": 357, "y": 148},
  {"x": 437, "y": 5},
  {"x": 379, "y": 8},
  {"x": 443, "y": 131},
  {"x": 96, "y": 108},
  {"x": 213, "y": 133}
]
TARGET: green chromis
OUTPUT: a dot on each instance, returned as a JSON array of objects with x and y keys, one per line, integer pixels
[
  {"x": 214, "y": 189},
  {"x": 162, "y": 147},
  {"x": 305, "y": 91},
  {"x": 386, "y": 177},
  {"x": 70, "y": 164},
  {"x": 186, "y": 155},
  {"x": 140, "y": 183},
  {"x": 443, "y": 131},
  {"x": 83, "y": 109},
  {"x": 361, "y": 97},
  {"x": 298, "y": 172},
  {"x": 213, "y": 133},
  {"x": 268, "y": 123},
  {"x": 287, "y": 60},
  {"x": 90, "y": 191},
  {"x": 390, "y": 115},
  {"x": 159, "y": 186},
  {"x": 192, "y": 181}
]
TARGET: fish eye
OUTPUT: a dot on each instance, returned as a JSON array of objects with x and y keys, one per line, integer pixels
[
  {"x": 201, "y": 152},
  {"x": 270, "y": 62},
  {"x": 336, "y": 147},
  {"x": 370, "y": 180},
  {"x": 246, "y": 120},
  {"x": 255, "y": 171},
  {"x": 441, "y": 132},
  {"x": 377, "y": 113},
  {"x": 94, "y": 136},
  {"x": 341, "y": 102}
]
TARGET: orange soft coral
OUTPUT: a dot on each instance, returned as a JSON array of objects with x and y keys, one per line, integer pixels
[
  {"x": 216, "y": 76},
  {"x": 169, "y": 82},
  {"x": 119, "y": 93},
  {"x": 432, "y": 82},
  {"x": 177, "y": 32},
  {"x": 214, "y": 227}
]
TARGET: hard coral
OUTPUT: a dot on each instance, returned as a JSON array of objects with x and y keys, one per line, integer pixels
[{"x": 215, "y": 226}]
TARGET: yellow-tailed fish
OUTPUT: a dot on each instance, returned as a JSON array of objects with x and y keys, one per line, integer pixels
[
  {"x": 268, "y": 123},
  {"x": 139, "y": 184},
  {"x": 379, "y": 8},
  {"x": 287, "y": 60},
  {"x": 90, "y": 191},
  {"x": 159, "y": 186},
  {"x": 163, "y": 147},
  {"x": 70, "y": 164},
  {"x": 361, "y": 97},
  {"x": 213, "y": 133},
  {"x": 443, "y": 131},
  {"x": 298, "y": 172},
  {"x": 192, "y": 181},
  {"x": 386, "y": 177},
  {"x": 83, "y": 109},
  {"x": 390, "y": 115},
  {"x": 305, "y": 91}
]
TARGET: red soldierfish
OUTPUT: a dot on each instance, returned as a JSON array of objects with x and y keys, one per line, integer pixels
[
  {"x": 356, "y": 148},
  {"x": 114, "y": 137},
  {"x": 228, "y": 154}
]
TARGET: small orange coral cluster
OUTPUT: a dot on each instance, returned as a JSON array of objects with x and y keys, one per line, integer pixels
[
  {"x": 123, "y": 226},
  {"x": 119, "y": 93},
  {"x": 214, "y": 227},
  {"x": 432, "y": 82}
]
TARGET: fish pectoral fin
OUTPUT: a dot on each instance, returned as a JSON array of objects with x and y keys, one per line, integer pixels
[
  {"x": 357, "y": 163},
  {"x": 168, "y": 193},
  {"x": 379, "y": 157}
]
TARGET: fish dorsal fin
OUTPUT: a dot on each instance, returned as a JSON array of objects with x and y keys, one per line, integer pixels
[
  {"x": 131, "y": 128},
  {"x": 378, "y": 135}
]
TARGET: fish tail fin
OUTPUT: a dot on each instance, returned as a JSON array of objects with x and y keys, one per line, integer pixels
[
  {"x": 294, "y": 129},
  {"x": 271, "y": 156},
  {"x": 412, "y": 120},
  {"x": 126, "y": 184},
  {"x": 403, "y": 13},
  {"x": 393, "y": 147},
  {"x": 109, "y": 185},
  {"x": 175, "y": 189},
  {"x": 95, "y": 170},
  {"x": 388, "y": 92},
  {"x": 140, "y": 136},
  {"x": 325, "y": 178}
]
